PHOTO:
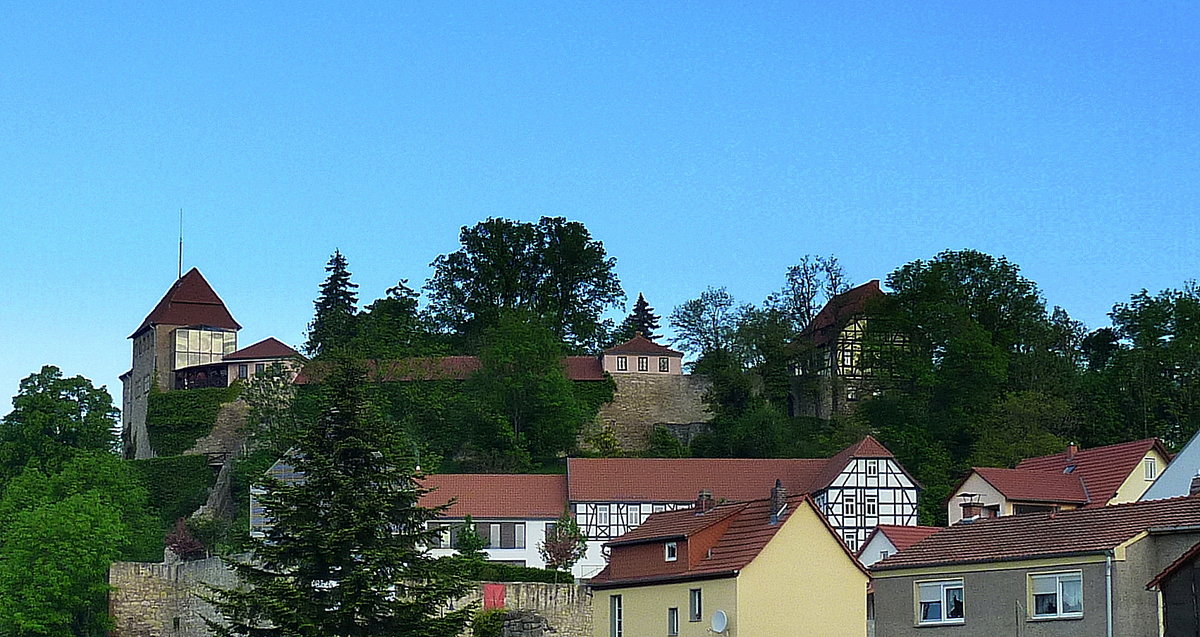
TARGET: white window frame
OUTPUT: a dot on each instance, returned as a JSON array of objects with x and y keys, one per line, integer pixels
[
  {"x": 671, "y": 551},
  {"x": 871, "y": 506},
  {"x": 849, "y": 505},
  {"x": 672, "y": 622},
  {"x": 942, "y": 588},
  {"x": 1150, "y": 468},
  {"x": 1058, "y": 578},
  {"x": 851, "y": 539},
  {"x": 872, "y": 467},
  {"x": 603, "y": 515},
  {"x": 616, "y": 617},
  {"x": 622, "y": 363}
]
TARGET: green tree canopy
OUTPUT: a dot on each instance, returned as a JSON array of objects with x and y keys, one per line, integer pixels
[
  {"x": 345, "y": 555},
  {"x": 333, "y": 326},
  {"x": 53, "y": 417},
  {"x": 553, "y": 269}
]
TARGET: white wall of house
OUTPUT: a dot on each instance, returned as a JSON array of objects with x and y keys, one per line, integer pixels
[
  {"x": 988, "y": 497},
  {"x": 534, "y": 534},
  {"x": 653, "y": 363},
  {"x": 878, "y": 548}
]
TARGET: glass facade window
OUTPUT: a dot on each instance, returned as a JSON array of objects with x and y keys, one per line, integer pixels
[{"x": 202, "y": 347}]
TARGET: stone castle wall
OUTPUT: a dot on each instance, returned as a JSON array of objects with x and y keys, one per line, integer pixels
[
  {"x": 162, "y": 599},
  {"x": 642, "y": 401},
  {"x": 561, "y": 610}
]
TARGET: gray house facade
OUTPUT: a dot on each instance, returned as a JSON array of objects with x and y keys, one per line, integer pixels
[{"x": 1084, "y": 572}]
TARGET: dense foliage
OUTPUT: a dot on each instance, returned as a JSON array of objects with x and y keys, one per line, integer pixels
[
  {"x": 175, "y": 487},
  {"x": 333, "y": 325},
  {"x": 175, "y": 420}
]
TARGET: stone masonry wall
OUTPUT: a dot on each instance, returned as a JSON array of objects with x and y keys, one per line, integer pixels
[
  {"x": 566, "y": 608},
  {"x": 160, "y": 600},
  {"x": 642, "y": 401}
]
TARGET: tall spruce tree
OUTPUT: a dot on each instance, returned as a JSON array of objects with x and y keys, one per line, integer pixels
[
  {"x": 333, "y": 325},
  {"x": 641, "y": 319},
  {"x": 345, "y": 554}
]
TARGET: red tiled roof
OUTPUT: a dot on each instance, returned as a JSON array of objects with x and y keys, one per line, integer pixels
[
  {"x": 681, "y": 523},
  {"x": 731, "y": 479},
  {"x": 1035, "y": 486},
  {"x": 269, "y": 347},
  {"x": 510, "y": 495},
  {"x": 447, "y": 368},
  {"x": 1180, "y": 562},
  {"x": 641, "y": 345},
  {"x": 839, "y": 310},
  {"x": 1103, "y": 469},
  {"x": 190, "y": 301},
  {"x": 681, "y": 479},
  {"x": 747, "y": 530},
  {"x": 902, "y": 537},
  {"x": 1021, "y": 537}
]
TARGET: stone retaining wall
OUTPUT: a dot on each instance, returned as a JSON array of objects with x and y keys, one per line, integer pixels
[
  {"x": 642, "y": 401},
  {"x": 161, "y": 600}
]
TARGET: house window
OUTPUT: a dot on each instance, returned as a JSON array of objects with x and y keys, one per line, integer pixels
[
  {"x": 872, "y": 467},
  {"x": 940, "y": 602},
  {"x": 695, "y": 605},
  {"x": 671, "y": 551},
  {"x": 672, "y": 622},
  {"x": 1057, "y": 595},
  {"x": 851, "y": 539},
  {"x": 643, "y": 364},
  {"x": 622, "y": 364},
  {"x": 883, "y": 555},
  {"x": 602, "y": 515},
  {"x": 243, "y": 371},
  {"x": 1151, "y": 468},
  {"x": 871, "y": 505},
  {"x": 616, "y": 617},
  {"x": 849, "y": 505},
  {"x": 260, "y": 368},
  {"x": 664, "y": 364}
]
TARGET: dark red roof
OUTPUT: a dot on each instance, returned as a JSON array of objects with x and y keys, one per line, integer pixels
[
  {"x": 1021, "y": 537},
  {"x": 447, "y": 368},
  {"x": 269, "y": 347},
  {"x": 744, "y": 531},
  {"x": 840, "y": 310},
  {"x": 190, "y": 301},
  {"x": 641, "y": 345},
  {"x": 681, "y": 479},
  {"x": 509, "y": 495},
  {"x": 902, "y": 537},
  {"x": 1103, "y": 469},
  {"x": 1035, "y": 486}
]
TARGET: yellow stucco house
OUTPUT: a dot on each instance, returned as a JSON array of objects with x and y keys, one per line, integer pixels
[{"x": 767, "y": 568}]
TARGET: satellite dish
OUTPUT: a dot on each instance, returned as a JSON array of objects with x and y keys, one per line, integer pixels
[{"x": 720, "y": 622}]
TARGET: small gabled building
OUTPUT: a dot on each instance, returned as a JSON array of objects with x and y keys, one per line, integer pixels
[
  {"x": 1075, "y": 478},
  {"x": 513, "y": 512},
  {"x": 764, "y": 568},
  {"x": 889, "y": 539},
  {"x": 642, "y": 355},
  {"x": 1068, "y": 573}
]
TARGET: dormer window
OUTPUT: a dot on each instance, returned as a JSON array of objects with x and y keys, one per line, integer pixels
[{"x": 671, "y": 551}]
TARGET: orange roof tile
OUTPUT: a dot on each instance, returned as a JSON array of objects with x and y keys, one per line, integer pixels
[
  {"x": 1021, "y": 537},
  {"x": 1035, "y": 486},
  {"x": 1103, "y": 469},
  {"x": 190, "y": 301},
  {"x": 269, "y": 347},
  {"x": 902, "y": 537},
  {"x": 508, "y": 495},
  {"x": 641, "y": 345}
]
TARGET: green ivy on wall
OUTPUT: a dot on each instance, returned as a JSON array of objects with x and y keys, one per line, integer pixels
[{"x": 175, "y": 420}]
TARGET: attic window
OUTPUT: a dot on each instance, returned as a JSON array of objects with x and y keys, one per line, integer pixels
[
  {"x": 671, "y": 551},
  {"x": 1069, "y": 469},
  {"x": 1151, "y": 468}
]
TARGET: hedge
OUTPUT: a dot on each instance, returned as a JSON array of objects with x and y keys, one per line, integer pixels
[
  {"x": 175, "y": 420},
  {"x": 496, "y": 572}
]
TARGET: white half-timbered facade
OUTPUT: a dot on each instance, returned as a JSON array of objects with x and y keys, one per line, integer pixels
[{"x": 867, "y": 493}]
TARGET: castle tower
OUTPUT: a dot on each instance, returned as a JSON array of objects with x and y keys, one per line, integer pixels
[{"x": 189, "y": 327}]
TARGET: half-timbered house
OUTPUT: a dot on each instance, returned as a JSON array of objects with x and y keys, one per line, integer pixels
[{"x": 829, "y": 375}]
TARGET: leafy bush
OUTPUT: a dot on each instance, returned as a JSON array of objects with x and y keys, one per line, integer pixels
[
  {"x": 496, "y": 572},
  {"x": 177, "y": 485},
  {"x": 488, "y": 623},
  {"x": 175, "y": 420}
]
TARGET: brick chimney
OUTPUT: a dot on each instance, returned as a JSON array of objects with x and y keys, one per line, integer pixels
[
  {"x": 1072, "y": 449},
  {"x": 704, "y": 502},
  {"x": 1194, "y": 488},
  {"x": 778, "y": 500}
]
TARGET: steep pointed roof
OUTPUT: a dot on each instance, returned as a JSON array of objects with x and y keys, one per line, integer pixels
[
  {"x": 839, "y": 310},
  {"x": 641, "y": 345},
  {"x": 269, "y": 347},
  {"x": 190, "y": 301},
  {"x": 868, "y": 447}
]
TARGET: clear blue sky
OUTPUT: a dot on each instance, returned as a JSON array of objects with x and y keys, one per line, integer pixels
[{"x": 704, "y": 143}]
